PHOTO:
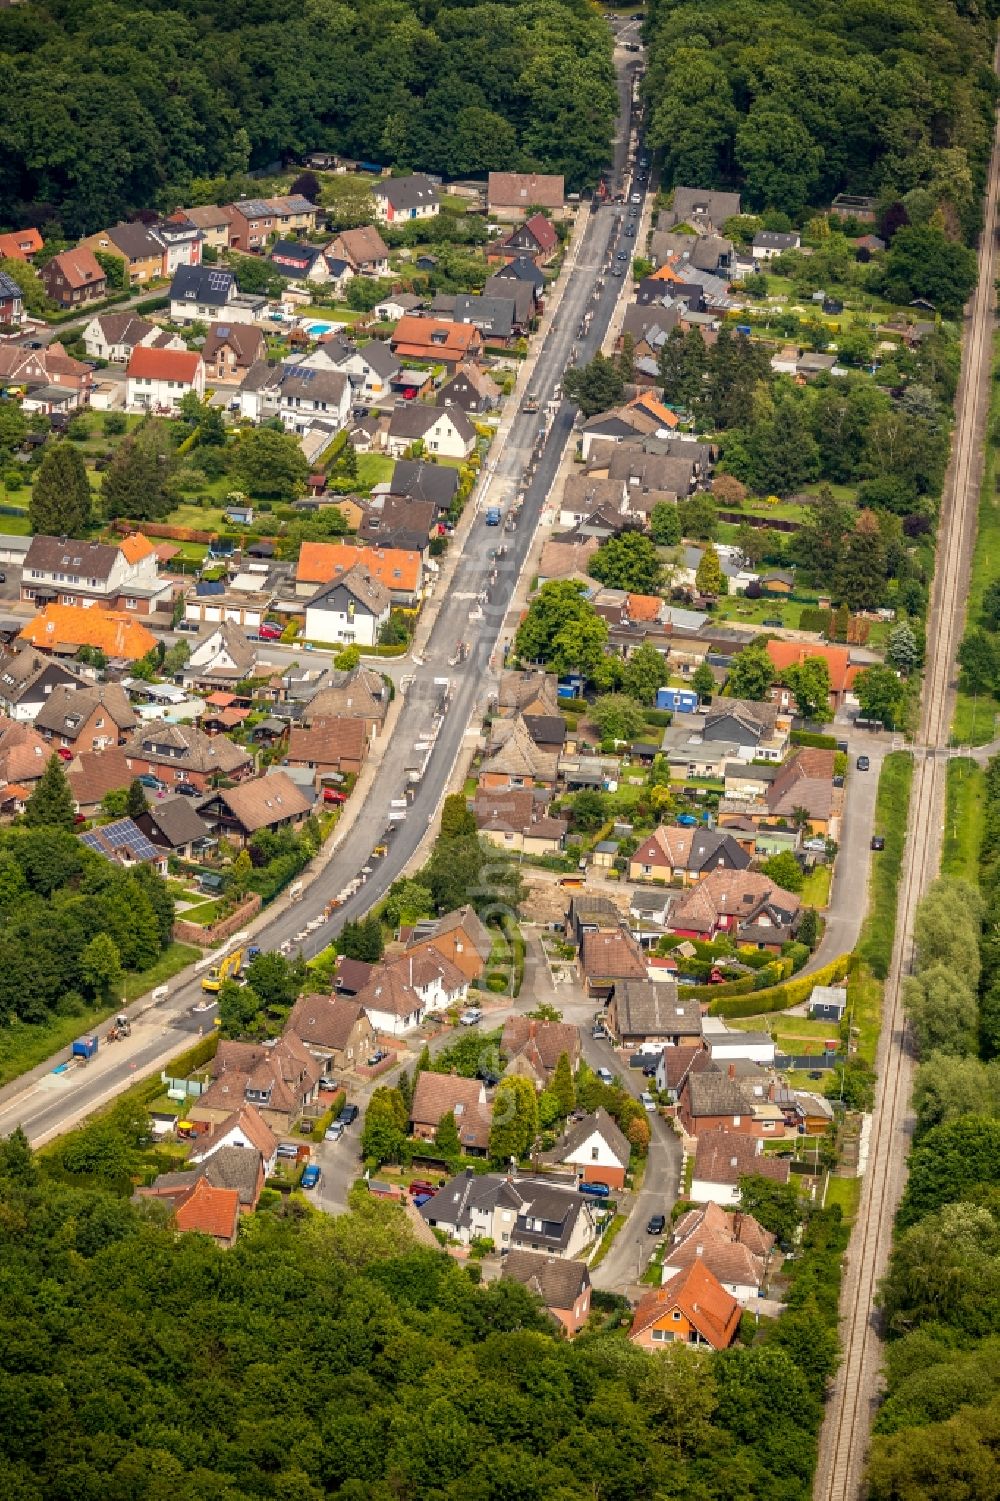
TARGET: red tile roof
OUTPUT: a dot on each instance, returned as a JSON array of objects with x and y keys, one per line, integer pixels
[
  {"x": 212, "y": 1211},
  {"x": 164, "y": 364},
  {"x": 700, "y": 1298},
  {"x": 785, "y": 654}
]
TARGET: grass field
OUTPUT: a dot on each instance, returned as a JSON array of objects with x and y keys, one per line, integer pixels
[
  {"x": 975, "y": 721},
  {"x": 847, "y": 1193},
  {"x": 816, "y": 887},
  {"x": 892, "y": 805},
  {"x": 965, "y": 804}
]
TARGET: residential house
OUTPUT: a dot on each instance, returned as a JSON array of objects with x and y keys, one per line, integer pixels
[
  {"x": 675, "y": 1064},
  {"x": 24, "y": 755},
  {"x": 280, "y": 1080},
  {"x": 437, "y": 340},
  {"x": 52, "y": 381},
  {"x": 73, "y": 277},
  {"x": 470, "y": 390},
  {"x": 607, "y": 959},
  {"x": 703, "y": 209},
  {"x": 533, "y": 1048},
  {"x": 786, "y": 654},
  {"x": 351, "y": 609},
  {"x": 528, "y": 691},
  {"x": 495, "y": 316},
  {"x": 742, "y": 903},
  {"x": 333, "y": 748},
  {"x": 524, "y": 271},
  {"x": 566, "y": 557},
  {"x": 181, "y": 241},
  {"x": 174, "y": 826},
  {"x": 370, "y": 367},
  {"x": 220, "y": 658},
  {"x": 113, "y": 336},
  {"x": 299, "y": 261},
  {"x": 245, "y": 1128},
  {"x": 647, "y": 1014},
  {"x": 293, "y": 213},
  {"x": 11, "y": 301},
  {"x": 27, "y": 680},
  {"x": 300, "y": 395},
  {"x": 63, "y": 629},
  {"x": 803, "y": 789},
  {"x": 392, "y": 521},
  {"x": 123, "y": 843},
  {"x": 393, "y": 1005},
  {"x": 722, "y": 1158},
  {"x": 183, "y": 753},
  {"x": 716, "y": 1101},
  {"x": 416, "y": 480},
  {"x": 523, "y": 294},
  {"x": 583, "y": 494},
  {"x": 536, "y": 239},
  {"x": 89, "y": 717},
  {"x": 515, "y": 1213},
  {"x": 434, "y": 1095},
  {"x": 232, "y": 1168},
  {"x": 595, "y": 1149},
  {"x": 511, "y": 195},
  {"x": 769, "y": 243},
  {"x": 210, "y": 220},
  {"x": 21, "y": 245},
  {"x": 336, "y": 1030},
  {"x": 590, "y": 913},
  {"x": 208, "y": 293},
  {"x": 62, "y": 571},
  {"x": 519, "y": 820},
  {"x": 461, "y": 938},
  {"x": 137, "y": 245},
  {"x": 158, "y": 379},
  {"x": 230, "y": 349},
  {"x": 324, "y": 562},
  {"x": 400, "y": 199},
  {"x": 563, "y": 1286},
  {"x": 356, "y": 694},
  {"x": 272, "y": 802},
  {"x": 363, "y": 250},
  {"x": 673, "y": 853},
  {"x": 692, "y": 1308},
  {"x": 445, "y": 432},
  {"x": 514, "y": 760},
  {"x": 251, "y": 224},
  {"x": 204, "y": 1210},
  {"x": 93, "y": 774}
]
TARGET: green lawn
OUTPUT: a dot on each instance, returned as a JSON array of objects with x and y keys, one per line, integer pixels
[
  {"x": 892, "y": 805},
  {"x": 965, "y": 806},
  {"x": 756, "y": 611},
  {"x": 816, "y": 886},
  {"x": 204, "y": 912},
  {"x": 608, "y": 1239},
  {"x": 374, "y": 469},
  {"x": 975, "y": 721},
  {"x": 15, "y": 526},
  {"x": 847, "y": 1193},
  {"x": 175, "y": 958}
]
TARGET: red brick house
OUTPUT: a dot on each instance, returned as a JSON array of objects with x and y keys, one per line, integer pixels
[
  {"x": 536, "y": 239},
  {"x": 74, "y": 277},
  {"x": 562, "y": 1285}
]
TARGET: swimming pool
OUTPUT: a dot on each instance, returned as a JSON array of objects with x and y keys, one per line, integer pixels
[{"x": 317, "y": 330}]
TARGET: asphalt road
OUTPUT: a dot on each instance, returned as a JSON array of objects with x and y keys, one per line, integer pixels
[{"x": 45, "y": 1104}]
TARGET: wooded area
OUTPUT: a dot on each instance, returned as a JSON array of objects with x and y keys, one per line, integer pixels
[
  {"x": 107, "y": 108},
  {"x": 795, "y": 103}
]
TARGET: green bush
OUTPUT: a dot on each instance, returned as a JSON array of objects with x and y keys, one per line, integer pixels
[
  {"x": 151, "y": 304},
  {"x": 328, "y": 1117},
  {"x": 659, "y": 718},
  {"x": 780, "y": 997},
  {"x": 815, "y": 741},
  {"x": 497, "y": 983}
]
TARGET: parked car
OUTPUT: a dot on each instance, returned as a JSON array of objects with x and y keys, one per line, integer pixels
[
  {"x": 605, "y": 1075},
  {"x": 863, "y": 763},
  {"x": 153, "y": 783},
  {"x": 327, "y": 1081},
  {"x": 878, "y": 843},
  {"x": 287, "y": 1149},
  {"x": 630, "y": 231},
  {"x": 379, "y": 1056},
  {"x": 649, "y": 1067},
  {"x": 647, "y": 1101},
  {"x": 270, "y": 632},
  {"x": 349, "y": 1114},
  {"x": 656, "y": 1224},
  {"x": 311, "y": 1176},
  {"x": 421, "y": 1200},
  {"x": 617, "y": 271},
  {"x": 334, "y": 1132},
  {"x": 331, "y": 795},
  {"x": 186, "y": 789},
  {"x": 598, "y": 1031},
  {"x": 595, "y": 1190},
  {"x": 421, "y": 1186},
  {"x": 470, "y": 1017}
]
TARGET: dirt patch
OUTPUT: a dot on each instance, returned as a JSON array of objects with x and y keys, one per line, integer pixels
[{"x": 548, "y": 902}]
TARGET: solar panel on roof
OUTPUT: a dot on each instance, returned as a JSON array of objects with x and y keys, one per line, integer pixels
[{"x": 122, "y": 835}]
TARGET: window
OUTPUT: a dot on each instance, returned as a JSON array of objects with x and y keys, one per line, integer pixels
[
  {"x": 595, "y": 1153},
  {"x": 676, "y": 1314},
  {"x": 99, "y": 724}
]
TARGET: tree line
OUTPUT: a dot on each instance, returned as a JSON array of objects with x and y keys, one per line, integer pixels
[
  {"x": 936, "y": 1434},
  {"x": 796, "y": 104},
  {"x": 107, "y": 109}
]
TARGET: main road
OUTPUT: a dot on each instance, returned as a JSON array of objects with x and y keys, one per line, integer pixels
[
  {"x": 854, "y": 1398},
  {"x": 441, "y": 701}
]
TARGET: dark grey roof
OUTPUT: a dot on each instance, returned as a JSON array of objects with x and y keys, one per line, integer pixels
[
  {"x": 715, "y": 1094},
  {"x": 650, "y": 1008},
  {"x": 709, "y": 846},
  {"x": 205, "y": 284},
  {"x": 294, "y": 250},
  {"x": 135, "y": 241},
  {"x": 380, "y": 357},
  {"x": 407, "y": 192},
  {"x": 65, "y": 555},
  {"x": 422, "y": 481},
  {"x": 493, "y": 315},
  {"x": 415, "y": 418},
  {"x": 234, "y": 1167},
  {"x": 557, "y": 1281},
  {"x": 9, "y": 288},
  {"x": 177, "y": 821},
  {"x": 523, "y": 269}
]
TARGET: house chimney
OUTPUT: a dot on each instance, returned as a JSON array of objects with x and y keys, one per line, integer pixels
[
  {"x": 732, "y": 1071},
  {"x": 699, "y": 1250},
  {"x": 737, "y": 1223}
]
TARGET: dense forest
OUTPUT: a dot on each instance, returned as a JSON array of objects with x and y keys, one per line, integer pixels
[
  {"x": 938, "y": 1433},
  {"x": 106, "y": 108},
  {"x": 795, "y": 102},
  {"x": 333, "y": 1358}
]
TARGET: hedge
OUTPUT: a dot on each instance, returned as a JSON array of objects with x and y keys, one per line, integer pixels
[
  {"x": 781, "y": 997},
  {"x": 776, "y": 970},
  {"x": 92, "y": 308},
  {"x": 816, "y": 742},
  {"x": 152, "y": 305},
  {"x": 661, "y": 718},
  {"x": 328, "y": 1117}
]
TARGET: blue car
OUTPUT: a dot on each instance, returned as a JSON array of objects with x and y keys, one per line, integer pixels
[
  {"x": 595, "y": 1190},
  {"x": 310, "y": 1176}
]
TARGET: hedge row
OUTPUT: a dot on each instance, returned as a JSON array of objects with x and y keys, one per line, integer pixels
[
  {"x": 776, "y": 970},
  {"x": 328, "y": 1117},
  {"x": 152, "y": 304},
  {"x": 816, "y": 742},
  {"x": 92, "y": 308},
  {"x": 781, "y": 997}
]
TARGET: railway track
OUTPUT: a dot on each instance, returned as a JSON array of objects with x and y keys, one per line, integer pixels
[{"x": 854, "y": 1398}]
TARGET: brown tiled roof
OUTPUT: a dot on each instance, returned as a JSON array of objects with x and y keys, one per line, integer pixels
[
  {"x": 551, "y": 1039},
  {"x": 715, "y": 1094},
  {"x": 669, "y": 846},
  {"x": 435, "y": 1094},
  {"x": 742, "y": 894},
  {"x": 326, "y": 1021},
  {"x": 514, "y": 753},
  {"x": 24, "y": 754},
  {"x": 358, "y": 246},
  {"x": 186, "y": 746},
  {"x": 253, "y": 1125},
  {"x": 702, "y": 1300},
  {"x": 612, "y": 956},
  {"x": 243, "y": 338},
  {"x": 461, "y": 937},
  {"x": 91, "y": 774},
  {"x": 728, "y": 1156},
  {"x": 804, "y": 781},
  {"x": 235, "y": 1167},
  {"x": 79, "y": 267},
  {"x": 264, "y": 801},
  {"x": 733, "y": 1246},
  {"x": 328, "y": 742},
  {"x": 556, "y": 1280},
  {"x": 67, "y": 709},
  {"x": 212, "y": 1211},
  {"x": 525, "y": 190},
  {"x": 388, "y": 991},
  {"x": 678, "y": 1062}
]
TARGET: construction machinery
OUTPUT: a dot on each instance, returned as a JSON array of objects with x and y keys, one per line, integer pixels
[
  {"x": 120, "y": 1027},
  {"x": 227, "y": 969}
]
